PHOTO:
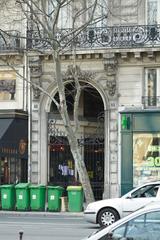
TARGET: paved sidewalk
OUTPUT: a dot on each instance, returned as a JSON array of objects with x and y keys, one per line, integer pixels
[{"x": 45, "y": 213}]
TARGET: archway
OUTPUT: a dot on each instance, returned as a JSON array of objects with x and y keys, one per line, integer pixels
[{"x": 91, "y": 139}]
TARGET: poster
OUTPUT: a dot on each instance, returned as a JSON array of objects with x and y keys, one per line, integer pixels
[
  {"x": 146, "y": 158},
  {"x": 7, "y": 85}
]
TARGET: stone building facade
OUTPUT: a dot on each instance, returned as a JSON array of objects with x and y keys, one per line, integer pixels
[{"x": 119, "y": 113}]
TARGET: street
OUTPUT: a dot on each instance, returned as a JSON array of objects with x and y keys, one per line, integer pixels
[{"x": 44, "y": 227}]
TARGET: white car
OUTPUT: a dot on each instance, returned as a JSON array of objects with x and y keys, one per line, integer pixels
[
  {"x": 106, "y": 212},
  {"x": 144, "y": 224}
]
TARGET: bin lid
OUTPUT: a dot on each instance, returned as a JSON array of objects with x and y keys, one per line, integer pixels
[
  {"x": 55, "y": 187},
  {"x": 22, "y": 185},
  {"x": 37, "y": 186},
  {"x": 7, "y": 186},
  {"x": 72, "y": 188}
]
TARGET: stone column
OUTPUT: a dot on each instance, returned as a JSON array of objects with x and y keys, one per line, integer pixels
[
  {"x": 35, "y": 75},
  {"x": 111, "y": 128}
]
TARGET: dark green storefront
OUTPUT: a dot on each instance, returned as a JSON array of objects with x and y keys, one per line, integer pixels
[
  {"x": 13, "y": 146},
  {"x": 140, "y": 148}
]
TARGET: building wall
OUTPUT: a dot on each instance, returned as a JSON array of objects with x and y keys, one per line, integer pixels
[{"x": 118, "y": 75}]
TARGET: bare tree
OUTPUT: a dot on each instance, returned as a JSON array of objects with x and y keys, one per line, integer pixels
[{"x": 45, "y": 19}]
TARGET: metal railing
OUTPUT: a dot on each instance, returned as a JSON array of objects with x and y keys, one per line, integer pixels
[
  {"x": 150, "y": 102},
  {"x": 140, "y": 36},
  {"x": 100, "y": 37}
]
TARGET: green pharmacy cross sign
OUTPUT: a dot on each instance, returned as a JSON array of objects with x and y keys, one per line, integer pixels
[{"x": 125, "y": 122}]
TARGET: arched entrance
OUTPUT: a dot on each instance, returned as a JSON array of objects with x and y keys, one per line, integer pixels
[{"x": 91, "y": 140}]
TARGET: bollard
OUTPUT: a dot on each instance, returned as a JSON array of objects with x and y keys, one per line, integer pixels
[{"x": 20, "y": 235}]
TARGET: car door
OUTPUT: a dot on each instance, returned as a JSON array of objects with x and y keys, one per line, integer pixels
[
  {"x": 140, "y": 198},
  {"x": 144, "y": 227}
]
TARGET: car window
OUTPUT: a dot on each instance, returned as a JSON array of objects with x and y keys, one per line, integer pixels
[
  {"x": 144, "y": 227},
  {"x": 146, "y": 191}
]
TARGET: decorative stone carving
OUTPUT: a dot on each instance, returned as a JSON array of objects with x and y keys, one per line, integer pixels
[
  {"x": 81, "y": 74},
  {"x": 110, "y": 67},
  {"x": 111, "y": 87},
  {"x": 36, "y": 72}
]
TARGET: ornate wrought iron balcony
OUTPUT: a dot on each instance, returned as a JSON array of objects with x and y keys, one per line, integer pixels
[
  {"x": 150, "y": 102},
  {"x": 9, "y": 41},
  {"x": 101, "y": 37}
]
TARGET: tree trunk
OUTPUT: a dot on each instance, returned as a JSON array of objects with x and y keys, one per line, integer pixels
[
  {"x": 81, "y": 168},
  {"x": 71, "y": 134}
]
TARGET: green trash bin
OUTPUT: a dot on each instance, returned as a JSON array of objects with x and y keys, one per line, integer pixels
[
  {"x": 54, "y": 198},
  {"x": 8, "y": 197},
  {"x": 75, "y": 198},
  {"x": 22, "y": 196},
  {"x": 37, "y": 197}
]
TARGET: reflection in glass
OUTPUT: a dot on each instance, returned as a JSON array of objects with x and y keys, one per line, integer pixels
[
  {"x": 146, "y": 226},
  {"x": 146, "y": 157}
]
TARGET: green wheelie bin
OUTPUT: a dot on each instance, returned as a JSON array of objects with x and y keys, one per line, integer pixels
[
  {"x": 37, "y": 197},
  {"x": 22, "y": 196},
  {"x": 75, "y": 198},
  {"x": 8, "y": 197},
  {"x": 54, "y": 198}
]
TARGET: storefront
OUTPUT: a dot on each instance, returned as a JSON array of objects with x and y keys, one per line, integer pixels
[
  {"x": 140, "y": 148},
  {"x": 13, "y": 147}
]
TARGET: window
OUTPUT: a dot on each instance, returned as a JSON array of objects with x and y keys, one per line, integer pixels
[
  {"x": 65, "y": 14},
  {"x": 7, "y": 85},
  {"x": 152, "y": 86},
  {"x": 100, "y": 16},
  {"x": 153, "y": 12},
  {"x": 146, "y": 191},
  {"x": 146, "y": 156},
  {"x": 146, "y": 226}
]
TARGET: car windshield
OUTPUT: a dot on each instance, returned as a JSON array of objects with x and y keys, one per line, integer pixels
[{"x": 145, "y": 226}]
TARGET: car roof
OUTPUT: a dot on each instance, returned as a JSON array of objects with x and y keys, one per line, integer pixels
[{"x": 153, "y": 206}]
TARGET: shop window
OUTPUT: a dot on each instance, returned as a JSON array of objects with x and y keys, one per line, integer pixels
[
  {"x": 146, "y": 157},
  {"x": 152, "y": 87}
]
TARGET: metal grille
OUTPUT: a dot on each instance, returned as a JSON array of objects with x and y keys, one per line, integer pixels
[
  {"x": 62, "y": 169},
  {"x": 136, "y": 36}
]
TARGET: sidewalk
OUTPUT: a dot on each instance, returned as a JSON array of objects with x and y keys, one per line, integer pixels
[{"x": 44, "y": 213}]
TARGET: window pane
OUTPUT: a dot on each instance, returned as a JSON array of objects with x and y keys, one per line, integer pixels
[
  {"x": 144, "y": 227},
  {"x": 147, "y": 191},
  {"x": 146, "y": 157},
  {"x": 151, "y": 86},
  {"x": 152, "y": 12},
  {"x": 7, "y": 85},
  {"x": 153, "y": 217}
]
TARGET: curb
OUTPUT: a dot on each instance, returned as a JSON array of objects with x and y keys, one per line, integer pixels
[{"x": 19, "y": 213}]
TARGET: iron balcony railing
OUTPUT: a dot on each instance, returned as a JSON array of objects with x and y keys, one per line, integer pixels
[
  {"x": 152, "y": 101},
  {"x": 9, "y": 41},
  {"x": 100, "y": 37},
  {"x": 140, "y": 36}
]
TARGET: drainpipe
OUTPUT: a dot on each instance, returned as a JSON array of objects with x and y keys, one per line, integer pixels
[
  {"x": 28, "y": 106},
  {"x": 106, "y": 193}
]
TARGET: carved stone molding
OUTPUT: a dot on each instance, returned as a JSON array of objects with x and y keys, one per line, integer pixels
[
  {"x": 82, "y": 75},
  {"x": 36, "y": 90},
  {"x": 110, "y": 64},
  {"x": 36, "y": 72},
  {"x": 110, "y": 67},
  {"x": 111, "y": 87}
]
